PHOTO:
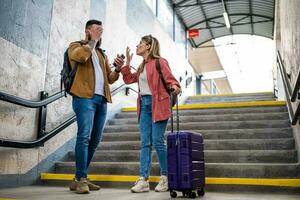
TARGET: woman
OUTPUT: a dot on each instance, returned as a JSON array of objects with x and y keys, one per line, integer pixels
[{"x": 153, "y": 107}]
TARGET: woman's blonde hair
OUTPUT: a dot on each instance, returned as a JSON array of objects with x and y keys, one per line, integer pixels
[{"x": 154, "y": 51}]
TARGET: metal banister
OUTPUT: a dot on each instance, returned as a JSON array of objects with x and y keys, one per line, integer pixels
[
  {"x": 284, "y": 74},
  {"x": 29, "y": 103},
  {"x": 42, "y": 135},
  {"x": 295, "y": 92},
  {"x": 290, "y": 94},
  {"x": 40, "y": 141}
]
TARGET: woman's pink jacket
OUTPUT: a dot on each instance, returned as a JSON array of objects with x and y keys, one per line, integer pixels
[{"x": 160, "y": 97}]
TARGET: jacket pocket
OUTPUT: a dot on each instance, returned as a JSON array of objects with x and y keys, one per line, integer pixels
[{"x": 163, "y": 97}]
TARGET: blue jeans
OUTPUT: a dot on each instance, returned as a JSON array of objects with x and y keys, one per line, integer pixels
[
  {"x": 152, "y": 134},
  {"x": 91, "y": 116}
]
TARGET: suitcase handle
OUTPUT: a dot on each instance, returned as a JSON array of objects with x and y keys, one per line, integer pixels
[{"x": 172, "y": 116}]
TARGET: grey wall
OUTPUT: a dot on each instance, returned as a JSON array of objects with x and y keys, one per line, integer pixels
[
  {"x": 138, "y": 15},
  {"x": 24, "y": 41},
  {"x": 98, "y": 10},
  {"x": 288, "y": 43},
  {"x": 33, "y": 37},
  {"x": 26, "y": 24}
]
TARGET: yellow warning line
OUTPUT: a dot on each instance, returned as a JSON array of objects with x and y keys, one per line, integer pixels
[
  {"x": 235, "y": 94},
  {"x": 208, "y": 180},
  {"x": 111, "y": 178},
  {"x": 253, "y": 181},
  {"x": 7, "y": 199},
  {"x": 223, "y": 105}
]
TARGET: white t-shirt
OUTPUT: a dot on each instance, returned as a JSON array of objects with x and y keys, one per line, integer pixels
[
  {"x": 99, "y": 78},
  {"x": 143, "y": 83}
]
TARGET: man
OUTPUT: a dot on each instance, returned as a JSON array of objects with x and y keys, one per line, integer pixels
[{"x": 91, "y": 93}]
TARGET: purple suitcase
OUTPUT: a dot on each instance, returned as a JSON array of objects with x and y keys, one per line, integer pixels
[{"x": 185, "y": 162}]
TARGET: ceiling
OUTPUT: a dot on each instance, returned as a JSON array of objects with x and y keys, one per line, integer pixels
[
  {"x": 204, "y": 59},
  {"x": 255, "y": 17}
]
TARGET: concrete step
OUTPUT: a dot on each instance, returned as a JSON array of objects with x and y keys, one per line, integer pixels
[
  {"x": 211, "y": 118},
  {"x": 231, "y": 144},
  {"x": 211, "y": 156},
  {"x": 247, "y": 170},
  {"x": 235, "y": 96},
  {"x": 226, "y": 100},
  {"x": 266, "y": 133},
  {"x": 239, "y": 142},
  {"x": 216, "y": 111},
  {"x": 209, "y": 125}
]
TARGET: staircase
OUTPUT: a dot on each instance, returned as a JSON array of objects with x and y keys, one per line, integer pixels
[{"x": 248, "y": 141}]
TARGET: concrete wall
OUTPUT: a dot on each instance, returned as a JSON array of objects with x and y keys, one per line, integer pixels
[
  {"x": 33, "y": 37},
  {"x": 288, "y": 43}
]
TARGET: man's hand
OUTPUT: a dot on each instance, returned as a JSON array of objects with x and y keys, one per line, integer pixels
[
  {"x": 94, "y": 32},
  {"x": 118, "y": 63}
]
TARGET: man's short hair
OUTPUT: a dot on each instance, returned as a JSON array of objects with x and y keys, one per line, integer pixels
[{"x": 91, "y": 22}]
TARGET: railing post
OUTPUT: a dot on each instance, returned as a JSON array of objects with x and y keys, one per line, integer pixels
[
  {"x": 127, "y": 91},
  {"x": 42, "y": 117}
]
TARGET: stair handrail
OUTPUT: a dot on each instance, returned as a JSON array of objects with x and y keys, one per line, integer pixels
[
  {"x": 295, "y": 92},
  {"x": 42, "y": 135},
  {"x": 30, "y": 103},
  {"x": 291, "y": 94},
  {"x": 39, "y": 141},
  {"x": 45, "y": 99}
]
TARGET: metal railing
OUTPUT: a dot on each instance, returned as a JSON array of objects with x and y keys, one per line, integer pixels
[
  {"x": 291, "y": 94},
  {"x": 42, "y": 135}
]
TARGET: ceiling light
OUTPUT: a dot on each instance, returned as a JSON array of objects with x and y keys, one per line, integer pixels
[{"x": 225, "y": 15}]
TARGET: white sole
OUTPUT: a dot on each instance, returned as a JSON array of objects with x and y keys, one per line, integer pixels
[
  {"x": 140, "y": 191},
  {"x": 162, "y": 190}
]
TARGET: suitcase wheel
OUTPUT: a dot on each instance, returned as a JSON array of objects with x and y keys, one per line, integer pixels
[
  {"x": 173, "y": 194},
  {"x": 189, "y": 194},
  {"x": 201, "y": 192},
  {"x": 192, "y": 195}
]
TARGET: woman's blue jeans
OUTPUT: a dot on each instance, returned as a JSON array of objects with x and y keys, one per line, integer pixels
[
  {"x": 152, "y": 134},
  {"x": 91, "y": 116}
]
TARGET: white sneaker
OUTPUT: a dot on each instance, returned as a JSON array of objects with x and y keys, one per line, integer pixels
[
  {"x": 162, "y": 186},
  {"x": 141, "y": 185}
]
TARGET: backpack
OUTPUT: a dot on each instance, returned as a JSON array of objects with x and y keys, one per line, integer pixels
[{"x": 68, "y": 74}]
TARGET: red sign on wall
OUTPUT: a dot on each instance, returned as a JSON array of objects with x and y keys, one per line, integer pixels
[{"x": 193, "y": 33}]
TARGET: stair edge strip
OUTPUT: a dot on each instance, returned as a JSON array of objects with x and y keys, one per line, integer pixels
[
  {"x": 209, "y": 180},
  {"x": 222, "y": 105}
]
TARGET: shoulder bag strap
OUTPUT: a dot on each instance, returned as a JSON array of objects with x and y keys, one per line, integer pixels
[{"x": 158, "y": 68}]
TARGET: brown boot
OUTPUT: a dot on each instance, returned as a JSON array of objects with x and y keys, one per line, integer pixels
[
  {"x": 82, "y": 187},
  {"x": 93, "y": 186},
  {"x": 73, "y": 184}
]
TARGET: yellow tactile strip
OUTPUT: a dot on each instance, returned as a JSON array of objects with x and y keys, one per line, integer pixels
[
  {"x": 222, "y": 105},
  {"x": 229, "y": 95},
  {"x": 209, "y": 180}
]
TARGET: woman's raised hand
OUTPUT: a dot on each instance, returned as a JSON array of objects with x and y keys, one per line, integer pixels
[
  {"x": 175, "y": 89},
  {"x": 128, "y": 56}
]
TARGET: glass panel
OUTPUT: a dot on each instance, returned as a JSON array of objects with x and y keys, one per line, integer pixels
[
  {"x": 152, "y": 5},
  {"x": 165, "y": 16},
  {"x": 180, "y": 36}
]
